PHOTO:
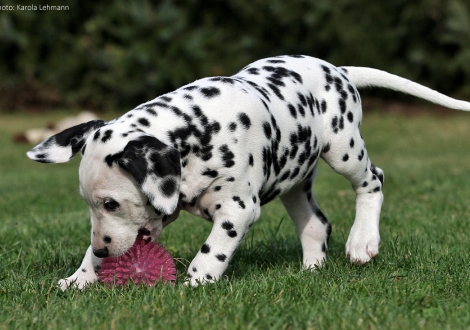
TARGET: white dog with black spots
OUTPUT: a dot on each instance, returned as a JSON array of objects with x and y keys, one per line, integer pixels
[{"x": 220, "y": 148}]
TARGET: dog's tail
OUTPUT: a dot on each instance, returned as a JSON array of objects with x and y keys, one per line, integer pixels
[{"x": 368, "y": 77}]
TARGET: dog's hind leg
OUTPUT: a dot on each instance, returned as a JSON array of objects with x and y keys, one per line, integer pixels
[
  {"x": 312, "y": 226},
  {"x": 349, "y": 158}
]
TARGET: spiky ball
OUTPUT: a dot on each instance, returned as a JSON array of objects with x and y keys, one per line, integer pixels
[{"x": 145, "y": 263}]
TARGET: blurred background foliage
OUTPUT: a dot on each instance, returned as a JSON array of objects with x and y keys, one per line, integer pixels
[{"x": 118, "y": 54}]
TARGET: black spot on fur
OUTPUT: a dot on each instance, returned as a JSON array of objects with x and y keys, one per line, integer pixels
[
  {"x": 254, "y": 71},
  {"x": 210, "y": 173},
  {"x": 292, "y": 110},
  {"x": 232, "y": 233},
  {"x": 245, "y": 120},
  {"x": 107, "y": 135},
  {"x": 239, "y": 201},
  {"x": 205, "y": 248},
  {"x": 168, "y": 187},
  {"x": 342, "y": 106},
  {"x": 276, "y": 61},
  {"x": 267, "y": 130},
  {"x": 350, "y": 117},
  {"x": 227, "y": 156},
  {"x": 221, "y": 257},
  {"x": 110, "y": 159},
  {"x": 227, "y": 225},
  {"x": 144, "y": 122},
  {"x": 210, "y": 91}
]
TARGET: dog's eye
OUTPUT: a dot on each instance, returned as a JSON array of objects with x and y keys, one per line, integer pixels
[{"x": 110, "y": 204}]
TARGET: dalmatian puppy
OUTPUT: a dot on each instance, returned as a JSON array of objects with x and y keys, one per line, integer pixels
[{"x": 220, "y": 148}]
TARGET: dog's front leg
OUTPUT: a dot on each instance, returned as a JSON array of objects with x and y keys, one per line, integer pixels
[
  {"x": 228, "y": 231},
  {"x": 85, "y": 274}
]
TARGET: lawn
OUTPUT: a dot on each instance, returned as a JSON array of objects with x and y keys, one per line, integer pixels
[{"x": 420, "y": 280}]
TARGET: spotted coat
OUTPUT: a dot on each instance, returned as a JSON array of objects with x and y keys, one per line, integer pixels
[{"x": 220, "y": 148}]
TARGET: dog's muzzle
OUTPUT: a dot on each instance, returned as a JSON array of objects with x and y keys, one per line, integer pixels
[{"x": 101, "y": 253}]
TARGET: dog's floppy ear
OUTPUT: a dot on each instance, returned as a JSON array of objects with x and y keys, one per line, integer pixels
[
  {"x": 64, "y": 145},
  {"x": 156, "y": 168}
]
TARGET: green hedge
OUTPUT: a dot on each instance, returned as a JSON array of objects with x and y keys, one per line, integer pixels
[{"x": 118, "y": 54}]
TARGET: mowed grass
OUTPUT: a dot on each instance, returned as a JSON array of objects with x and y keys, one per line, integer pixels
[{"x": 420, "y": 280}]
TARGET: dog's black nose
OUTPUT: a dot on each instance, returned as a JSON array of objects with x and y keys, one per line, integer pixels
[{"x": 101, "y": 253}]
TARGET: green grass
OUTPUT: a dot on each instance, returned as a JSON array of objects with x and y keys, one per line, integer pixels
[{"x": 420, "y": 280}]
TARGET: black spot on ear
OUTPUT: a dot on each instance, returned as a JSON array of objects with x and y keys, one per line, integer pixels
[
  {"x": 75, "y": 136},
  {"x": 149, "y": 155},
  {"x": 168, "y": 187}
]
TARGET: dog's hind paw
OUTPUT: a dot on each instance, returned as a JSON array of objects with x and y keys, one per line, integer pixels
[{"x": 362, "y": 248}]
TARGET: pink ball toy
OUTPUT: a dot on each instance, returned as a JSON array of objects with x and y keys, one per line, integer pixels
[{"x": 145, "y": 263}]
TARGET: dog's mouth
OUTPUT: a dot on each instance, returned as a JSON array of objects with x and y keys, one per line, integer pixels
[
  {"x": 148, "y": 233},
  {"x": 144, "y": 234}
]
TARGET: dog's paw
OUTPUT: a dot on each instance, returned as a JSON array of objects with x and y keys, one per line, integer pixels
[
  {"x": 77, "y": 281},
  {"x": 362, "y": 245},
  {"x": 194, "y": 282}
]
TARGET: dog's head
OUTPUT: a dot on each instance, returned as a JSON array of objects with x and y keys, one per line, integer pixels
[{"x": 129, "y": 180}]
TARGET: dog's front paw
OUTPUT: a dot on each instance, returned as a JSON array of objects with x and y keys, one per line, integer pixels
[
  {"x": 194, "y": 282},
  {"x": 78, "y": 281},
  {"x": 196, "y": 278},
  {"x": 362, "y": 245}
]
